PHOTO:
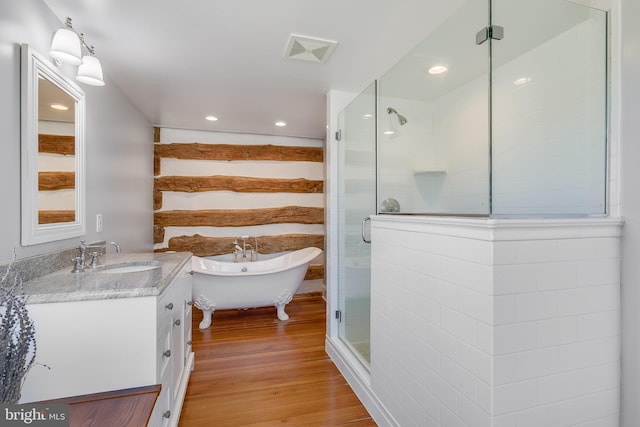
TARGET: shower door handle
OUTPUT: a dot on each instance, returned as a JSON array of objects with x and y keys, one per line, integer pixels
[{"x": 364, "y": 238}]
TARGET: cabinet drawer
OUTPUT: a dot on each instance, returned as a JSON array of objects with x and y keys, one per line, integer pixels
[{"x": 170, "y": 305}]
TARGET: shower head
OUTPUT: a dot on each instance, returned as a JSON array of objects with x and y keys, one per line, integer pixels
[{"x": 401, "y": 119}]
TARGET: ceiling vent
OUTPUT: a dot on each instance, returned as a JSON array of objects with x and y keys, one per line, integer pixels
[{"x": 309, "y": 49}]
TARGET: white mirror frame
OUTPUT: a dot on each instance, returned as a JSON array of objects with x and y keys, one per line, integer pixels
[{"x": 34, "y": 65}]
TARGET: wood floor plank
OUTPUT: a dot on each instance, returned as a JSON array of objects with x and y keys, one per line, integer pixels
[{"x": 253, "y": 370}]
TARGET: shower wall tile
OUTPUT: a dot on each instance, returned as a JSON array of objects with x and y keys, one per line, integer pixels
[{"x": 524, "y": 334}]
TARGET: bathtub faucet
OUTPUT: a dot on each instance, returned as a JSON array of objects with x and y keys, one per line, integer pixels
[
  {"x": 236, "y": 250},
  {"x": 242, "y": 250}
]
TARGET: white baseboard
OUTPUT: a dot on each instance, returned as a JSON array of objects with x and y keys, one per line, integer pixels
[{"x": 359, "y": 380}]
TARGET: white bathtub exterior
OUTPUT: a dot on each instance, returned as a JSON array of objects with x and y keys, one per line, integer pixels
[
  {"x": 494, "y": 323},
  {"x": 219, "y": 285}
]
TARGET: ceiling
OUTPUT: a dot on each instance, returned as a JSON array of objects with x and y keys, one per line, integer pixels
[{"x": 179, "y": 61}]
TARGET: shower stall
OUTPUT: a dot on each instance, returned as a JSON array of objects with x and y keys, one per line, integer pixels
[{"x": 501, "y": 112}]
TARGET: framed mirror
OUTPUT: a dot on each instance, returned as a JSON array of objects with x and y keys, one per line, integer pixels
[{"x": 52, "y": 152}]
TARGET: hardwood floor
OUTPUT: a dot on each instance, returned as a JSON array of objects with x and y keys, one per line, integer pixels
[{"x": 253, "y": 370}]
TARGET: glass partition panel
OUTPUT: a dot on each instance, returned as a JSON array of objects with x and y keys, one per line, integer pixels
[
  {"x": 356, "y": 202},
  {"x": 549, "y": 108},
  {"x": 433, "y": 122}
]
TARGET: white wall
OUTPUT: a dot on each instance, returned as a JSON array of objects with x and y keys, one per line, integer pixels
[
  {"x": 630, "y": 207},
  {"x": 119, "y": 149}
]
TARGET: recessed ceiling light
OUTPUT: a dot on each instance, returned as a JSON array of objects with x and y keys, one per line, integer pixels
[
  {"x": 280, "y": 123},
  {"x": 59, "y": 107},
  {"x": 522, "y": 81},
  {"x": 437, "y": 69},
  {"x": 212, "y": 118},
  {"x": 389, "y": 132}
]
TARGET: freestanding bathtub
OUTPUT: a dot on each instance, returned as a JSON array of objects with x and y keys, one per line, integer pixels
[{"x": 221, "y": 285}]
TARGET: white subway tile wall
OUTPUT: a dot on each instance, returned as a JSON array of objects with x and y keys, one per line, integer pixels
[{"x": 472, "y": 330}]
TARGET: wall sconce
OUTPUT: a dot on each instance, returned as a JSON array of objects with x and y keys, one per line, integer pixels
[{"x": 66, "y": 47}]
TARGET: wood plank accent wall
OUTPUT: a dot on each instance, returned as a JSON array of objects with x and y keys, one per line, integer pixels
[
  {"x": 244, "y": 184},
  {"x": 171, "y": 223},
  {"x": 210, "y": 246},
  {"x": 229, "y": 152},
  {"x": 239, "y": 217}
]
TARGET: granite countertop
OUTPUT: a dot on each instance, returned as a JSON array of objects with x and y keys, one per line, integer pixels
[{"x": 93, "y": 284}]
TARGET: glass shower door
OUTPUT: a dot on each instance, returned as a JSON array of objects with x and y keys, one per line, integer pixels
[{"x": 356, "y": 201}]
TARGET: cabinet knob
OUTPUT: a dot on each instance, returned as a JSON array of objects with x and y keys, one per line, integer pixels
[
  {"x": 167, "y": 353},
  {"x": 177, "y": 322},
  {"x": 169, "y": 306},
  {"x": 167, "y": 414},
  {"x": 190, "y": 273},
  {"x": 189, "y": 302},
  {"x": 189, "y": 342}
]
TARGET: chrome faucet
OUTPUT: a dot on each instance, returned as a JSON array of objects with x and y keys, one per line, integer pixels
[
  {"x": 82, "y": 248},
  {"x": 117, "y": 246},
  {"x": 95, "y": 250},
  {"x": 251, "y": 252},
  {"x": 79, "y": 262},
  {"x": 237, "y": 250}
]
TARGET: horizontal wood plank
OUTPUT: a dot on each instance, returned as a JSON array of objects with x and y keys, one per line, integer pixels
[
  {"x": 289, "y": 242},
  {"x": 241, "y": 184},
  {"x": 55, "y": 216},
  {"x": 56, "y": 144},
  {"x": 49, "y": 181},
  {"x": 211, "y": 246},
  {"x": 198, "y": 151},
  {"x": 314, "y": 272},
  {"x": 239, "y": 217}
]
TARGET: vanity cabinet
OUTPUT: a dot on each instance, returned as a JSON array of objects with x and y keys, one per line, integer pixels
[
  {"x": 174, "y": 358},
  {"x": 98, "y": 345}
]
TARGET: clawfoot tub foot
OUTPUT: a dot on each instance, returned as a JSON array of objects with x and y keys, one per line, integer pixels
[
  {"x": 206, "y": 319},
  {"x": 283, "y": 299},
  {"x": 207, "y": 307},
  {"x": 281, "y": 314}
]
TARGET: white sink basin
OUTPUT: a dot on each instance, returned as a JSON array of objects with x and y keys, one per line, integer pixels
[{"x": 129, "y": 268}]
